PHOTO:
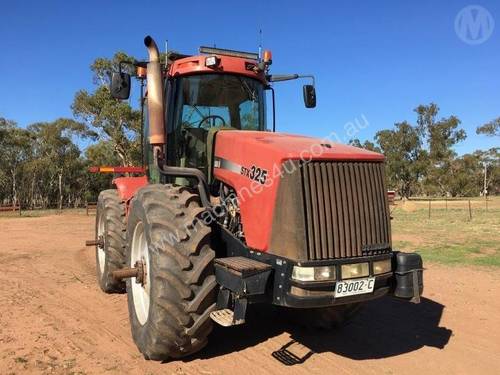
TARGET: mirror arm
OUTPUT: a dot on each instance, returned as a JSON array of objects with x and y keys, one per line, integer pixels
[
  {"x": 136, "y": 63},
  {"x": 311, "y": 77},
  {"x": 289, "y": 77}
]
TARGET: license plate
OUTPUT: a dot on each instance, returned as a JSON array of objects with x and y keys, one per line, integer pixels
[{"x": 353, "y": 287}]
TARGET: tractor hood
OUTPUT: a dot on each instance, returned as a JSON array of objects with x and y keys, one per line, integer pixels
[
  {"x": 254, "y": 164},
  {"x": 289, "y": 146}
]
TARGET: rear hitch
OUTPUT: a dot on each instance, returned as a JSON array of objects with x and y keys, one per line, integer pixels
[{"x": 138, "y": 271}]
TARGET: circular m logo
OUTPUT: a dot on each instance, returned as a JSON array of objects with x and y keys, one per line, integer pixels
[{"x": 474, "y": 24}]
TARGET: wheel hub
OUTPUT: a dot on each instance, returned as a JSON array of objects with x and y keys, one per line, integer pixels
[
  {"x": 140, "y": 273},
  {"x": 139, "y": 261},
  {"x": 101, "y": 253}
]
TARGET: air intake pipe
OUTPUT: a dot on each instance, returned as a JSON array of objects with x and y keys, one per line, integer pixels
[{"x": 155, "y": 97}]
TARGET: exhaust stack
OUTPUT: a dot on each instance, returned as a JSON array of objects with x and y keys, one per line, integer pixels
[{"x": 155, "y": 95}]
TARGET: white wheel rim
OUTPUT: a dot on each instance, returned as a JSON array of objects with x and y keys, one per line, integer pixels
[
  {"x": 140, "y": 293},
  {"x": 101, "y": 254}
]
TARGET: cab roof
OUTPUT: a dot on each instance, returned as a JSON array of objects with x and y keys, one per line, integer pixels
[{"x": 197, "y": 64}]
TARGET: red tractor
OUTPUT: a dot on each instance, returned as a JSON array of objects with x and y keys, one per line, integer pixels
[{"x": 227, "y": 213}]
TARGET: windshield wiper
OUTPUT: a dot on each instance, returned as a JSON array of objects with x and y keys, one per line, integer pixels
[{"x": 250, "y": 92}]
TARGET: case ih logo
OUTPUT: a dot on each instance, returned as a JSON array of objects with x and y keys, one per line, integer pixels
[{"x": 474, "y": 24}]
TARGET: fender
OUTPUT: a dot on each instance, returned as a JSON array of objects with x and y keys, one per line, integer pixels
[{"x": 128, "y": 186}]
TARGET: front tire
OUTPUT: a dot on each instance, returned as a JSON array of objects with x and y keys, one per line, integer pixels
[
  {"x": 110, "y": 228},
  {"x": 169, "y": 312}
]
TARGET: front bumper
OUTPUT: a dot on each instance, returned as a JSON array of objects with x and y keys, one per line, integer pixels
[
  {"x": 277, "y": 287},
  {"x": 324, "y": 296},
  {"x": 313, "y": 294}
]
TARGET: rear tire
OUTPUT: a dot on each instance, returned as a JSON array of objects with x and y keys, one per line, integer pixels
[
  {"x": 169, "y": 314},
  {"x": 326, "y": 317},
  {"x": 110, "y": 224}
]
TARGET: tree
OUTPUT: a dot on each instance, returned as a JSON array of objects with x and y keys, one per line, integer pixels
[
  {"x": 464, "y": 177},
  {"x": 491, "y": 128},
  {"x": 42, "y": 165},
  {"x": 406, "y": 160},
  {"x": 439, "y": 136},
  {"x": 56, "y": 157},
  {"x": 419, "y": 157},
  {"x": 14, "y": 151},
  {"x": 109, "y": 119},
  {"x": 366, "y": 145},
  {"x": 490, "y": 170}
]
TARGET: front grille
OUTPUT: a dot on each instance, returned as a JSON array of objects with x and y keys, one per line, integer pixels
[{"x": 346, "y": 209}]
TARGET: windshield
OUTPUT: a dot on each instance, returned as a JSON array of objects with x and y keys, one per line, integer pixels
[{"x": 219, "y": 100}]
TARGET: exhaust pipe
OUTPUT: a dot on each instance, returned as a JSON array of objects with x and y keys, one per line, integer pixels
[{"x": 155, "y": 96}]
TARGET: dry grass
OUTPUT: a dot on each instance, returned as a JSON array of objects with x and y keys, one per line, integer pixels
[{"x": 449, "y": 236}]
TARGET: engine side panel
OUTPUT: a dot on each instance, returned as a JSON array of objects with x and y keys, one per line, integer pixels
[{"x": 252, "y": 163}]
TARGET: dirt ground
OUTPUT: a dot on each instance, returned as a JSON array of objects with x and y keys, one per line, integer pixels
[{"x": 54, "y": 319}]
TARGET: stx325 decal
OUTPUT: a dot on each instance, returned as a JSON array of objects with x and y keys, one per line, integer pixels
[{"x": 254, "y": 172}]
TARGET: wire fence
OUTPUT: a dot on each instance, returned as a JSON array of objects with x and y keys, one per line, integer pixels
[{"x": 441, "y": 206}]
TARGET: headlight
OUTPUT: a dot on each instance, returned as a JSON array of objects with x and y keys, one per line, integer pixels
[
  {"x": 351, "y": 271},
  {"x": 382, "y": 266},
  {"x": 313, "y": 273}
]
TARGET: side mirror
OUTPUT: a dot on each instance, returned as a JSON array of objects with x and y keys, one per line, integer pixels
[
  {"x": 309, "y": 96},
  {"x": 120, "y": 85}
]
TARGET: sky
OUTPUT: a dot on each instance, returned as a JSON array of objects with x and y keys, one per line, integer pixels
[{"x": 374, "y": 62}]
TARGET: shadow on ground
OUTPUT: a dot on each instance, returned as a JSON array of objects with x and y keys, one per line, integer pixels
[{"x": 384, "y": 328}]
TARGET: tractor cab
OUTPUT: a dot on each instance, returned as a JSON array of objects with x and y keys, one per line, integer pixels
[
  {"x": 200, "y": 105},
  {"x": 219, "y": 89}
]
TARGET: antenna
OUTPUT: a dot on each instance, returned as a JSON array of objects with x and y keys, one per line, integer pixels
[{"x": 260, "y": 45}]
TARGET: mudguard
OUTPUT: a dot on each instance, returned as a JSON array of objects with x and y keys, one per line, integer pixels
[{"x": 128, "y": 186}]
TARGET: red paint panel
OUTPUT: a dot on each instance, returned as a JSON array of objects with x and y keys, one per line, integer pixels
[
  {"x": 127, "y": 186},
  {"x": 269, "y": 151}
]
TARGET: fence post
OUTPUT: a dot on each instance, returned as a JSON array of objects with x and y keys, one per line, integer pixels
[
  {"x": 446, "y": 203},
  {"x": 470, "y": 211},
  {"x": 429, "y": 208}
]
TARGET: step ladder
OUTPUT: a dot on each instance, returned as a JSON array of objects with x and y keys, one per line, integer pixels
[
  {"x": 225, "y": 318},
  {"x": 240, "y": 279}
]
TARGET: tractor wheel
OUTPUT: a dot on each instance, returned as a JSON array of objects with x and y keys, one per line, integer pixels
[
  {"x": 170, "y": 308},
  {"x": 326, "y": 317},
  {"x": 110, "y": 229}
]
